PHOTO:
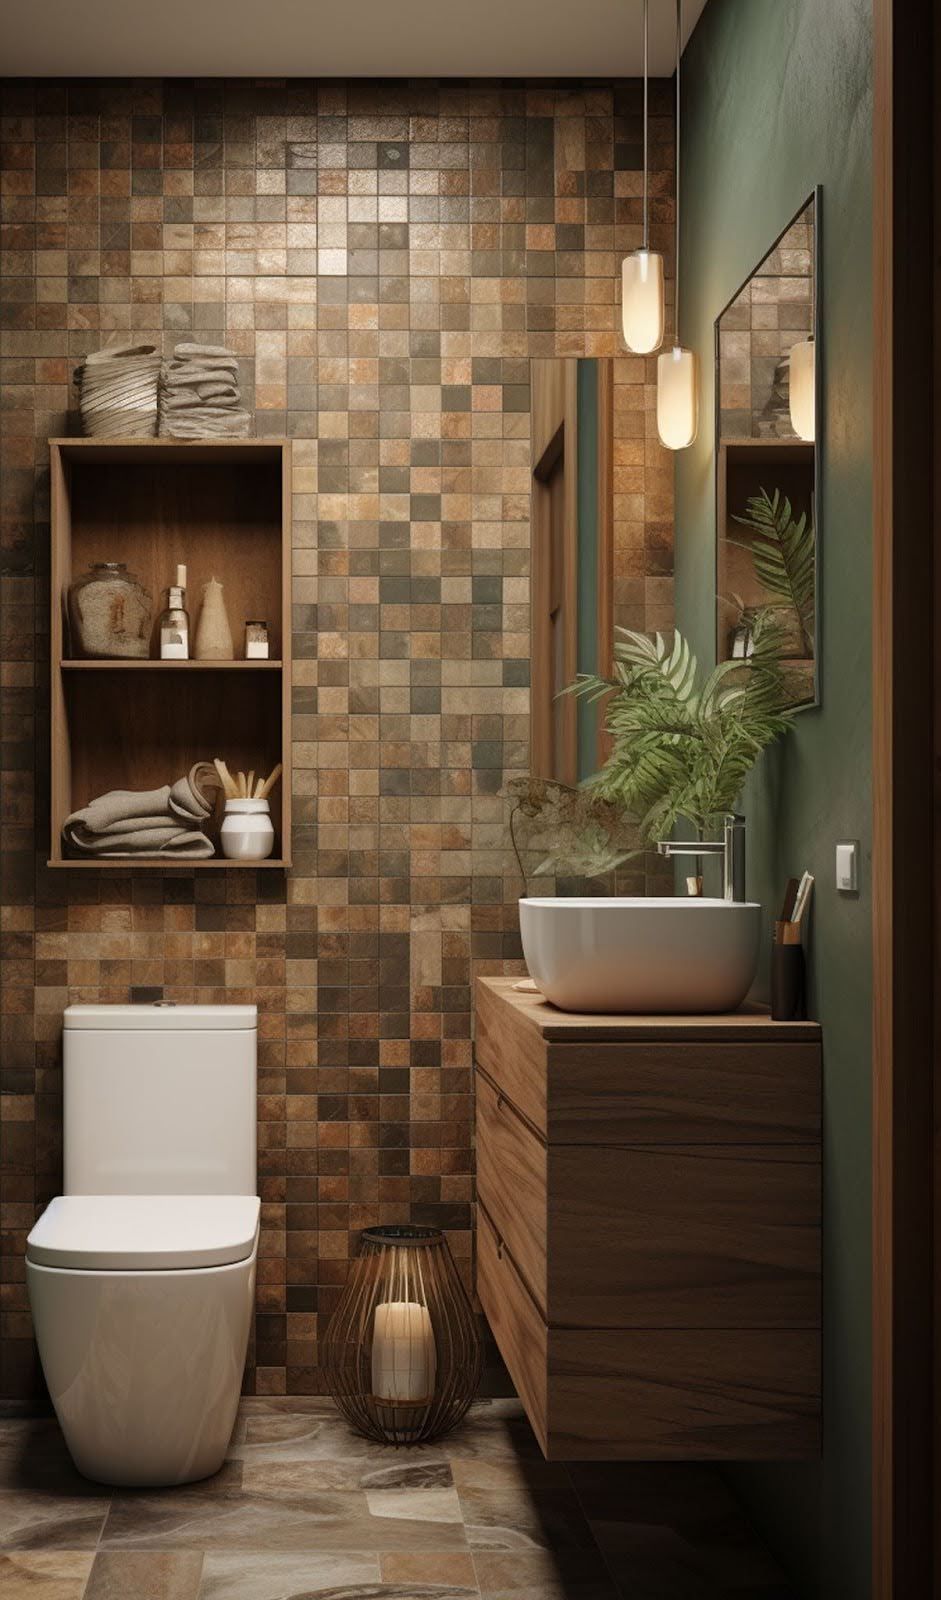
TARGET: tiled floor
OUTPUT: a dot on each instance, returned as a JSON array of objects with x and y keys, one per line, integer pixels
[{"x": 304, "y": 1508}]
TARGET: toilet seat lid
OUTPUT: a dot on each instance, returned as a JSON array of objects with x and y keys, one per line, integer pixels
[{"x": 144, "y": 1232}]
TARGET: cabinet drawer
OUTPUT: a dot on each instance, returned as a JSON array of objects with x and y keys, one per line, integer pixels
[
  {"x": 652, "y": 1394},
  {"x": 682, "y": 1080},
  {"x": 691, "y": 1236},
  {"x": 520, "y": 1332},
  {"x": 621, "y": 1236},
  {"x": 511, "y": 1183}
]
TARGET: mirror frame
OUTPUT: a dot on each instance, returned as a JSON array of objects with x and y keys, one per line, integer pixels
[{"x": 816, "y": 195}]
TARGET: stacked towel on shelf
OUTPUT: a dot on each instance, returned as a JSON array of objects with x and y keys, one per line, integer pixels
[
  {"x": 200, "y": 396},
  {"x": 133, "y": 822}
]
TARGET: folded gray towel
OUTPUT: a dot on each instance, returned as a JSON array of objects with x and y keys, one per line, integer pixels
[
  {"x": 162, "y": 821},
  {"x": 120, "y": 804},
  {"x": 164, "y": 840},
  {"x": 196, "y": 424},
  {"x": 200, "y": 396},
  {"x": 187, "y": 347}
]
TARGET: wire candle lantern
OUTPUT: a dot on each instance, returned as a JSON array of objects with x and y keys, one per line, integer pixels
[{"x": 401, "y": 1356}]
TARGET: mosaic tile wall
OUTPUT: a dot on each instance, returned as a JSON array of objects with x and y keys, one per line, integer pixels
[
  {"x": 384, "y": 259},
  {"x": 773, "y": 311}
]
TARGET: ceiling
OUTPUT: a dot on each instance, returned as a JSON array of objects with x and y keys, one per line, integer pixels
[{"x": 337, "y": 38}]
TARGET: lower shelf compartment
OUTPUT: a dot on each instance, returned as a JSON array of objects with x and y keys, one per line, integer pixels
[{"x": 138, "y": 730}]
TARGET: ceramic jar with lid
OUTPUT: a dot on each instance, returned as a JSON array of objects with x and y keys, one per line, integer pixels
[{"x": 110, "y": 613}]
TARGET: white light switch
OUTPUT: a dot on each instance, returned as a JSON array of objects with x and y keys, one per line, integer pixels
[{"x": 847, "y": 868}]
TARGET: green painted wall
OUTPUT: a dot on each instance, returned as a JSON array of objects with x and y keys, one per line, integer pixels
[{"x": 777, "y": 98}]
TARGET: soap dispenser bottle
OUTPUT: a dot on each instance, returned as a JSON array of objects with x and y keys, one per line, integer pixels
[{"x": 175, "y": 622}]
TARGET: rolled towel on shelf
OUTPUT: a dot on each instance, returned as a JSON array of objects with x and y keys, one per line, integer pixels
[{"x": 185, "y": 797}]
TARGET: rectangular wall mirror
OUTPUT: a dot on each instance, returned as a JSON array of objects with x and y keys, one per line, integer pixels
[
  {"x": 767, "y": 377},
  {"x": 572, "y": 553}
]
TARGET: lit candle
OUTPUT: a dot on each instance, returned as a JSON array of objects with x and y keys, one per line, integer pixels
[{"x": 403, "y": 1352}]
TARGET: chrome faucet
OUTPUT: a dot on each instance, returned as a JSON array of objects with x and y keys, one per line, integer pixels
[{"x": 731, "y": 847}]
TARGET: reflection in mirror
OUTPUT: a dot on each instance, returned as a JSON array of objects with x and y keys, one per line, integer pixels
[
  {"x": 767, "y": 384},
  {"x": 572, "y": 559}
]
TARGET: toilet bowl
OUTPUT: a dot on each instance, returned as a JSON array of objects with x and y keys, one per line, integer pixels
[
  {"x": 141, "y": 1276},
  {"x": 142, "y": 1308}
]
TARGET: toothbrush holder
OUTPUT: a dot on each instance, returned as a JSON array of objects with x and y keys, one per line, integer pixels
[
  {"x": 247, "y": 833},
  {"x": 788, "y": 983}
]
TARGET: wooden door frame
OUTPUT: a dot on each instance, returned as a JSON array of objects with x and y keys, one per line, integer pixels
[{"x": 905, "y": 1031}]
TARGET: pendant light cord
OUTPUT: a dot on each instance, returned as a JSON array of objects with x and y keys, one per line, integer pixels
[
  {"x": 646, "y": 227},
  {"x": 676, "y": 201}
]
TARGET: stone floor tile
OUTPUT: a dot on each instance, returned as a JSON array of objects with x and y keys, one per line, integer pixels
[
  {"x": 148, "y": 1575},
  {"x": 34, "y": 1520},
  {"x": 44, "y": 1574},
  {"x": 543, "y": 1575},
  {"x": 249, "y": 1575},
  {"x": 341, "y": 1520},
  {"x": 516, "y": 1505},
  {"x": 454, "y": 1569},
  {"x": 34, "y": 1456}
]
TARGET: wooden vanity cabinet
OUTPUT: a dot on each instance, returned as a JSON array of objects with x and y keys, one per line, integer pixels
[{"x": 648, "y": 1245}]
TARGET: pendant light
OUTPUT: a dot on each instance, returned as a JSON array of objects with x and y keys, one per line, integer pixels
[
  {"x": 802, "y": 384},
  {"x": 642, "y": 271},
  {"x": 677, "y": 369},
  {"x": 802, "y": 389}
]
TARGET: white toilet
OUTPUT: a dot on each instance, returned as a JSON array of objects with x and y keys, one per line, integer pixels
[{"x": 142, "y": 1274}]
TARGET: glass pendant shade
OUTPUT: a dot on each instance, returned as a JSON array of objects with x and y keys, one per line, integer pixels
[
  {"x": 803, "y": 389},
  {"x": 642, "y": 301},
  {"x": 677, "y": 397}
]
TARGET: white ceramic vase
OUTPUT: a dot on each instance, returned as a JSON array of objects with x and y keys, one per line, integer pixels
[{"x": 247, "y": 833}]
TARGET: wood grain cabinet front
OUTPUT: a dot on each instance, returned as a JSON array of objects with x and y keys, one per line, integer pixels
[{"x": 649, "y": 1244}]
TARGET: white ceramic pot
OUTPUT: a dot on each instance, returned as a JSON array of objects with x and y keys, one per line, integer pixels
[{"x": 247, "y": 833}]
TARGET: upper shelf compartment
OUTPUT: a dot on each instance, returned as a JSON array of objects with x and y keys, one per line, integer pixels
[
  {"x": 217, "y": 507},
  {"x": 222, "y": 508}
]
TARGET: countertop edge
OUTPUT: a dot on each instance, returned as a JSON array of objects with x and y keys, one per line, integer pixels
[{"x": 567, "y": 1027}]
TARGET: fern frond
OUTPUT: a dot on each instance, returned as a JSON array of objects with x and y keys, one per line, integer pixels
[
  {"x": 680, "y": 749},
  {"x": 783, "y": 551}
]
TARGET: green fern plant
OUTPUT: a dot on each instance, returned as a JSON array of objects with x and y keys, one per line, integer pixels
[
  {"x": 680, "y": 746},
  {"x": 783, "y": 549}
]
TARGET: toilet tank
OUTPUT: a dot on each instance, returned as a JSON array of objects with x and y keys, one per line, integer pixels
[{"x": 159, "y": 1099}]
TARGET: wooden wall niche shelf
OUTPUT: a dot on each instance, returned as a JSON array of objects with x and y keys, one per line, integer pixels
[
  {"x": 649, "y": 1228},
  {"x": 223, "y": 508}
]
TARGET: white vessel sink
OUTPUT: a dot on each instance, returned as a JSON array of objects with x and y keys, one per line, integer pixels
[{"x": 639, "y": 955}]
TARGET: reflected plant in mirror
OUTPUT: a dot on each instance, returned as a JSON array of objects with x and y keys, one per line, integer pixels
[
  {"x": 570, "y": 833},
  {"x": 767, "y": 457}
]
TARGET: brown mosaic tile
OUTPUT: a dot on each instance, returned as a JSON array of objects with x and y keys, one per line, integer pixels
[{"x": 385, "y": 259}]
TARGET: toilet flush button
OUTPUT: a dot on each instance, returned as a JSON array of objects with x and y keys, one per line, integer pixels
[{"x": 847, "y": 868}]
